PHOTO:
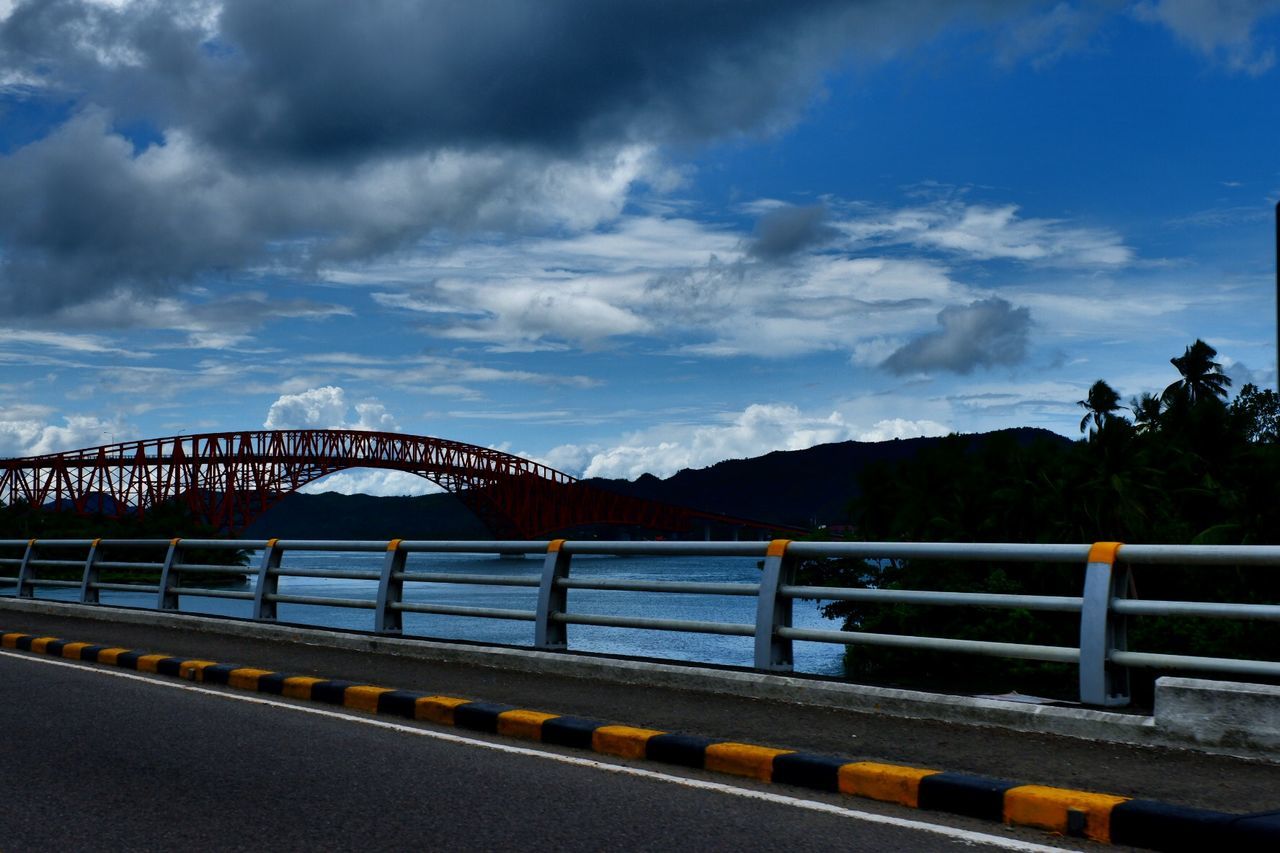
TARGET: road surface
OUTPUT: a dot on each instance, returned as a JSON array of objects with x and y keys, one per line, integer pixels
[{"x": 99, "y": 759}]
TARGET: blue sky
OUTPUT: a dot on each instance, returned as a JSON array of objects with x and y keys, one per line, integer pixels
[{"x": 624, "y": 237}]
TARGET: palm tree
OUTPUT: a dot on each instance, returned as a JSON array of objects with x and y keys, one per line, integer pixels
[
  {"x": 1202, "y": 377},
  {"x": 1100, "y": 404},
  {"x": 1146, "y": 410}
]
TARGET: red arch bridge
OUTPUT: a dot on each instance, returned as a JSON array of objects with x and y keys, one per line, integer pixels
[{"x": 230, "y": 479}]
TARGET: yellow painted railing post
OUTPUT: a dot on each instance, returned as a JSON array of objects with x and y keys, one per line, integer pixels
[
  {"x": 387, "y": 618},
  {"x": 25, "y": 570},
  {"x": 773, "y": 610},
  {"x": 1102, "y": 629},
  {"x": 264, "y": 603},
  {"x": 166, "y": 598},
  {"x": 89, "y": 582},
  {"x": 548, "y": 632}
]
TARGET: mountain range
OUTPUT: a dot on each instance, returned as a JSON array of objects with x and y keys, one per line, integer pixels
[{"x": 803, "y": 488}]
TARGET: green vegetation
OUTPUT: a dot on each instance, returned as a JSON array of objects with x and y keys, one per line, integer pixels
[
  {"x": 22, "y": 521},
  {"x": 1187, "y": 467}
]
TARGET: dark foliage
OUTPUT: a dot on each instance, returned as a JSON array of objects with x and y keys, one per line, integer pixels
[
  {"x": 21, "y": 521},
  {"x": 1192, "y": 469}
]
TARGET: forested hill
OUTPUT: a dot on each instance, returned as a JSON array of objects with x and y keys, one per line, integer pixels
[
  {"x": 333, "y": 516},
  {"x": 787, "y": 487},
  {"x": 797, "y": 487}
]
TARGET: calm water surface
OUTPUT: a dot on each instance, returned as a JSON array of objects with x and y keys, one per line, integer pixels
[{"x": 810, "y": 657}]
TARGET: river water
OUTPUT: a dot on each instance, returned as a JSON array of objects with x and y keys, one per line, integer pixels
[{"x": 818, "y": 658}]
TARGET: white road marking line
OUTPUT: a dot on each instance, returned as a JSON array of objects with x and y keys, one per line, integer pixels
[{"x": 963, "y": 835}]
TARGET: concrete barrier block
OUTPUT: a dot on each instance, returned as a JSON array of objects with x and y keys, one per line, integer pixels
[{"x": 1226, "y": 714}]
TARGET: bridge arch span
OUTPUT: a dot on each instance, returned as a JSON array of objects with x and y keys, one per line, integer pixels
[{"x": 229, "y": 479}]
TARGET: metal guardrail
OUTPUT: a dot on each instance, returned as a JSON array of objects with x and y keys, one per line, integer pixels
[{"x": 1102, "y": 656}]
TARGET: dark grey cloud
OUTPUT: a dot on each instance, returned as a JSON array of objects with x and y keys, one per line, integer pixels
[
  {"x": 335, "y": 80},
  {"x": 987, "y": 333},
  {"x": 782, "y": 232},
  {"x": 218, "y": 135},
  {"x": 81, "y": 216}
]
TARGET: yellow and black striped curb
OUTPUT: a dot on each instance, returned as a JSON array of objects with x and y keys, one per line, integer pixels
[{"x": 1101, "y": 817}]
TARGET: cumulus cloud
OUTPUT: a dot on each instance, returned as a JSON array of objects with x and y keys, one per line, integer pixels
[
  {"x": 33, "y": 436},
  {"x": 987, "y": 333},
  {"x": 327, "y": 408},
  {"x": 366, "y": 481},
  {"x": 756, "y": 430},
  {"x": 889, "y": 429}
]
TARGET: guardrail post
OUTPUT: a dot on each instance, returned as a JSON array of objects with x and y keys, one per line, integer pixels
[
  {"x": 89, "y": 583},
  {"x": 1102, "y": 629},
  {"x": 25, "y": 569},
  {"x": 552, "y": 599},
  {"x": 773, "y": 611},
  {"x": 387, "y": 619},
  {"x": 166, "y": 598},
  {"x": 264, "y": 607}
]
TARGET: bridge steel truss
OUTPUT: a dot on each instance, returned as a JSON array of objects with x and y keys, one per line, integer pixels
[{"x": 230, "y": 479}]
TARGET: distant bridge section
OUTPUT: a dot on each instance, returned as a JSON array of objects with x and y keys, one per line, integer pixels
[{"x": 230, "y": 479}]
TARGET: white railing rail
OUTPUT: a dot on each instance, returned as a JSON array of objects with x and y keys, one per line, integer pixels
[{"x": 1101, "y": 654}]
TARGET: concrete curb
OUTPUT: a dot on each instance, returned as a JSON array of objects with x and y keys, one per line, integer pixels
[
  {"x": 1082, "y": 814},
  {"x": 1076, "y": 722}
]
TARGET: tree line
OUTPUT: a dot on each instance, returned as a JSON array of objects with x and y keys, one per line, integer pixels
[
  {"x": 1190, "y": 465},
  {"x": 20, "y": 521}
]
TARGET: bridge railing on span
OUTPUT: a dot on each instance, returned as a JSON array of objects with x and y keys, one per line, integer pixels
[{"x": 1104, "y": 604}]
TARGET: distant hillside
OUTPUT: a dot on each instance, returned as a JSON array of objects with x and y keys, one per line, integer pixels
[
  {"x": 334, "y": 516},
  {"x": 797, "y": 487}
]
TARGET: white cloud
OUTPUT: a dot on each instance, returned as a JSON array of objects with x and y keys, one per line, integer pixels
[
  {"x": 982, "y": 232},
  {"x": 887, "y": 430},
  {"x": 521, "y": 314},
  {"x": 64, "y": 341},
  {"x": 877, "y": 275},
  {"x": 374, "y": 416},
  {"x": 365, "y": 481},
  {"x": 429, "y": 374},
  {"x": 327, "y": 408},
  {"x": 664, "y": 450},
  {"x": 756, "y": 430},
  {"x": 1221, "y": 29},
  {"x": 31, "y": 436}
]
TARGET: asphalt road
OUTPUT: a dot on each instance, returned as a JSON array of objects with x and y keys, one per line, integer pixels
[
  {"x": 96, "y": 759},
  {"x": 1175, "y": 776}
]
